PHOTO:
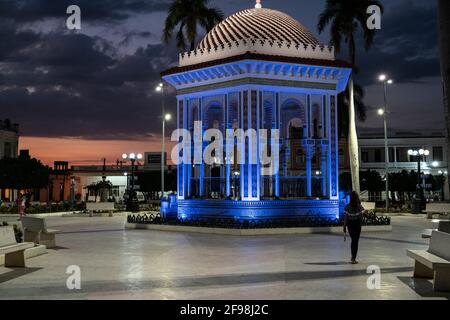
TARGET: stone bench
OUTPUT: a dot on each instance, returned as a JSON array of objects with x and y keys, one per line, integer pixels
[
  {"x": 368, "y": 205},
  {"x": 434, "y": 263},
  {"x": 14, "y": 252},
  {"x": 443, "y": 226},
  {"x": 437, "y": 208},
  {"x": 35, "y": 230},
  {"x": 92, "y": 207}
]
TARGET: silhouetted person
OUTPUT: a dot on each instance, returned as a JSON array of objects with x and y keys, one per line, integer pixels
[{"x": 353, "y": 220}]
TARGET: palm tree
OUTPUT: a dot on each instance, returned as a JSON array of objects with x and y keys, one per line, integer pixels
[
  {"x": 185, "y": 16},
  {"x": 345, "y": 17},
  {"x": 444, "y": 33}
]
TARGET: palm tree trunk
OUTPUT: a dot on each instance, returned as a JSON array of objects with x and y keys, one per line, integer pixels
[
  {"x": 444, "y": 34},
  {"x": 353, "y": 140}
]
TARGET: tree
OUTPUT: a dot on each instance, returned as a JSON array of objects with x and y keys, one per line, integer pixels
[
  {"x": 23, "y": 173},
  {"x": 186, "y": 16},
  {"x": 344, "y": 18},
  {"x": 444, "y": 34}
]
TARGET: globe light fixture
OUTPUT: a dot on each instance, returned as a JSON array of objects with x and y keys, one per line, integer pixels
[
  {"x": 382, "y": 77},
  {"x": 159, "y": 88},
  {"x": 168, "y": 117},
  {"x": 380, "y": 112}
]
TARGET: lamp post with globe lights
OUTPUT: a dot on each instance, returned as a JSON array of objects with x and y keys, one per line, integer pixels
[
  {"x": 383, "y": 112},
  {"x": 442, "y": 178},
  {"x": 419, "y": 201},
  {"x": 132, "y": 203}
]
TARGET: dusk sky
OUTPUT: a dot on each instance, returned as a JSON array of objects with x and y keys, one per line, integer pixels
[{"x": 89, "y": 94}]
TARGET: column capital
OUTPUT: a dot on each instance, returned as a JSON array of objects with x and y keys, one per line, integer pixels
[{"x": 309, "y": 148}]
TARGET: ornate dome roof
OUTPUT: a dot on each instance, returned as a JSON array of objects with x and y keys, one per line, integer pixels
[{"x": 258, "y": 24}]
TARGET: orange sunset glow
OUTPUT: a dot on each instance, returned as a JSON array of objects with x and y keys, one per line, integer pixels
[{"x": 81, "y": 151}]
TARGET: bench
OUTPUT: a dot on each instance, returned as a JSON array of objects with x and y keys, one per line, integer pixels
[
  {"x": 434, "y": 263},
  {"x": 444, "y": 226},
  {"x": 35, "y": 230},
  {"x": 437, "y": 208},
  {"x": 14, "y": 252},
  {"x": 91, "y": 207},
  {"x": 368, "y": 205}
]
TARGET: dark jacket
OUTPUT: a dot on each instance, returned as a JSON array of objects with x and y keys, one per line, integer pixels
[{"x": 353, "y": 214}]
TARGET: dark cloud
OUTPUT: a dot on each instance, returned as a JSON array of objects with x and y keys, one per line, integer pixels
[
  {"x": 406, "y": 46},
  {"x": 105, "y": 10}
]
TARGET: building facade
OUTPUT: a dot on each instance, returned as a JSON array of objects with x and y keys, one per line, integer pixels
[
  {"x": 372, "y": 151},
  {"x": 372, "y": 156},
  {"x": 9, "y": 146},
  {"x": 259, "y": 69}
]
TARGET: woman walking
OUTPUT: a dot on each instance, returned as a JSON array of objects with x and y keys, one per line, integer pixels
[
  {"x": 353, "y": 220},
  {"x": 21, "y": 206}
]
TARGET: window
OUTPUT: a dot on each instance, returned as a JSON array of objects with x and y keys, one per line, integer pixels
[
  {"x": 378, "y": 155},
  {"x": 391, "y": 155},
  {"x": 7, "y": 150},
  {"x": 438, "y": 154},
  {"x": 365, "y": 156}
]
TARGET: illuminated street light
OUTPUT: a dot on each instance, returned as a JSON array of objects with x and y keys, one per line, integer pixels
[{"x": 382, "y": 112}]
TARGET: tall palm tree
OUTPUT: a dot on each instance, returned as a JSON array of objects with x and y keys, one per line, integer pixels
[
  {"x": 185, "y": 16},
  {"x": 444, "y": 34},
  {"x": 345, "y": 18}
]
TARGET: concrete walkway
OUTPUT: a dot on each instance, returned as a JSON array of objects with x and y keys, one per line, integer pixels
[{"x": 140, "y": 264}]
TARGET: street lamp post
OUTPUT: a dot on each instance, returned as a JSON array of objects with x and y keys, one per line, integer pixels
[
  {"x": 383, "y": 112},
  {"x": 419, "y": 201},
  {"x": 442, "y": 176},
  {"x": 165, "y": 117},
  {"x": 132, "y": 203}
]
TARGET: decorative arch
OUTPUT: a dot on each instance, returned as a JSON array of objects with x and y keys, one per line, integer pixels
[{"x": 293, "y": 115}]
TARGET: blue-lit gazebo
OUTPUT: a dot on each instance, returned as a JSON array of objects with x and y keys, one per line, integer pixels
[{"x": 261, "y": 69}]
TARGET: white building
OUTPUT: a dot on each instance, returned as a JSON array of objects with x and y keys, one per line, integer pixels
[
  {"x": 119, "y": 175},
  {"x": 372, "y": 151}
]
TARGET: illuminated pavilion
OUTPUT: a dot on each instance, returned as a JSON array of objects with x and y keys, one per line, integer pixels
[{"x": 261, "y": 69}]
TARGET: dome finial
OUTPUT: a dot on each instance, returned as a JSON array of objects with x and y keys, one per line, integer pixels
[{"x": 258, "y": 4}]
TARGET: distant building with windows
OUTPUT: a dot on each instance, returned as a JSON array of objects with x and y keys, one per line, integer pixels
[
  {"x": 9, "y": 146},
  {"x": 372, "y": 151},
  {"x": 74, "y": 182},
  {"x": 9, "y": 139}
]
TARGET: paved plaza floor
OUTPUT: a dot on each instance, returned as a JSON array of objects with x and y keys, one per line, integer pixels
[{"x": 139, "y": 264}]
